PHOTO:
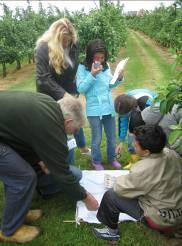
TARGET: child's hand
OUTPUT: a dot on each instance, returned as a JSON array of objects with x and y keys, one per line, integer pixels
[
  {"x": 119, "y": 148},
  {"x": 120, "y": 77},
  {"x": 44, "y": 167},
  {"x": 96, "y": 68},
  {"x": 90, "y": 202}
]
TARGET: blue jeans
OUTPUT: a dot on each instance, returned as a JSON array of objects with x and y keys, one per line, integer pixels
[
  {"x": 19, "y": 181},
  {"x": 96, "y": 134},
  {"x": 131, "y": 138},
  {"x": 49, "y": 185},
  {"x": 81, "y": 143}
]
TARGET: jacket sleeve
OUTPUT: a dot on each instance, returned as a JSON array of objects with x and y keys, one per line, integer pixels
[
  {"x": 123, "y": 127},
  {"x": 45, "y": 81},
  {"x": 133, "y": 185},
  {"x": 84, "y": 80},
  {"x": 50, "y": 144}
]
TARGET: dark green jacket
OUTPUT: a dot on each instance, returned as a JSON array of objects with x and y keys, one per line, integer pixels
[{"x": 32, "y": 124}]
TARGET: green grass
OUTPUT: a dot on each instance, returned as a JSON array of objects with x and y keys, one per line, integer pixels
[
  {"x": 25, "y": 85},
  {"x": 165, "y": 68},
  {"x": 55, "y": 232},
  {"x": 146, "y": 68}
]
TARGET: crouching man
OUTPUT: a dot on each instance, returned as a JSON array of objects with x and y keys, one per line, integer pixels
[
  {"x": 151, "y": 192},
  {"x": 33, "y": 129}
]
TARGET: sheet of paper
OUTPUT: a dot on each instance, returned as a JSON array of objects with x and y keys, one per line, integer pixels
[
  {"x": 118, "y": 70},
  {"x": 93, "y": 182},
  {"x": 71, "y": 143}
]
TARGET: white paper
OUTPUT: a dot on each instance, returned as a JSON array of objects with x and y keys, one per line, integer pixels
[
  {"x": 71, "y": 143},
  {"x": 93, "y": 182},
  {"x": 118, "y": 70}
]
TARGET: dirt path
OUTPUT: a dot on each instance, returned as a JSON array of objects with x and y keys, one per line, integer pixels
[
  {"x": 17, "y": 76},
  {"x": 159, "y": 49},
  {"x": 152, "y": 72}
]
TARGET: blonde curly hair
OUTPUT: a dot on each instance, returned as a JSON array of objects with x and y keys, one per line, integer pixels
[{"x": 54, "y": 36}]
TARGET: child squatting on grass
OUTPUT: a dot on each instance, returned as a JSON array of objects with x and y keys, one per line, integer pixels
[{"x": 151, "y": 192}]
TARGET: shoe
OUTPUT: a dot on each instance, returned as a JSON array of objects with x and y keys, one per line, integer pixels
[
  {"x": 106, "y": 234},
  {"x": 116, "y": 164},
  {"x": 98, "y": 166},
  {"x": 33, "y": 215},
  {"x": 87, "y": 153},
  {"x": 22, "y": 235}
]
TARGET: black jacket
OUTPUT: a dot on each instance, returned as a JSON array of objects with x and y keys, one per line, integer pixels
[{"x": 48, "y": 81}]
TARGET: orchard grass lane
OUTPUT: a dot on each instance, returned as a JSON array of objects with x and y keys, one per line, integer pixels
[{"x": 55, "y": 231}]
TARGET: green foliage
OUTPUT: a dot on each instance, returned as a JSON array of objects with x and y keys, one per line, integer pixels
[
  {"x": 163, "y": 25},
  {"x": 19, "y": 31},
  {"x": 106, "y": 23},
  {"x": 171, "y": 95}
]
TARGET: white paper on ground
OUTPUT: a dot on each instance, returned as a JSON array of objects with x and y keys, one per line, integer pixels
[
  {"x": 93, "y": 182},
  {"x": 118, "y": 70}
]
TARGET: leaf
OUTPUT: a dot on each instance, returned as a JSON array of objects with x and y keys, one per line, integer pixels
[
  {"x": 169, "y": 105},
  {"x": 175, "y": 127},
  {"x": 172, "y": 93},
  {"x": 163, "y": 106},
  {"x": 174, "y": 135}
]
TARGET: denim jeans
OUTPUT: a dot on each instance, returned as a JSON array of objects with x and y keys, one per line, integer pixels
[
  {"x": 80, "y": 141},
  {"x": 131, "y": 138},
  {"x": 80, "y": 138},
  {"x": 96, "y": 134},
  {"x": 49, "y": 185},
  {"x": 19, "y": 181}
]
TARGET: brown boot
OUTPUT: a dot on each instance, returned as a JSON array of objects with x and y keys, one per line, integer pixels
[
  {"x": 33, "y": 215},
  {"x": 23, "y": 234}
]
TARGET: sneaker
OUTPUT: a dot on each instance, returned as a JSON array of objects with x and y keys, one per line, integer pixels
[
  {"x": 106, "y": 234},
  {"x": 98, "y": 166},
  {"x": 87, "y": 152},
  {"x": 33, "y": 215},
  {"x": 116, "y": 164},
  {"x": 23, "y": 234}
]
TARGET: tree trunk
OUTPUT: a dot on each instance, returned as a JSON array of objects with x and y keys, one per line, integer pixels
[
  {"x": 33, "y": 59},
  {"x": 4, "y": 69},
  {"x": 18, "y": 64},
  {"x": 29, "y": 59}
]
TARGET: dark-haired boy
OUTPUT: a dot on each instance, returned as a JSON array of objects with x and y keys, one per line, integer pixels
[{"x": 152, "y": 189}]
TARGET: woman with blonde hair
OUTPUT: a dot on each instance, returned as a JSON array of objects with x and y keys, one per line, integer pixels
[
  {"x": 60, "y": 38},
  {"x": 56, "y": 54}
]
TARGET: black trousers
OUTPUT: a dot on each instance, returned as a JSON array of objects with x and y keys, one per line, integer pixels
[{"x": 111, "y": 205}]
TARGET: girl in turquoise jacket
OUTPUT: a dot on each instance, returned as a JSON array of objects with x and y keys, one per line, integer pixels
[{"x": 93, "y": 81}]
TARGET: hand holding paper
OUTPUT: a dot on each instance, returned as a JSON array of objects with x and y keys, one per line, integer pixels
[
  {"x": 108, "y": 181},
  {"x": 119, "y": 70}
]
